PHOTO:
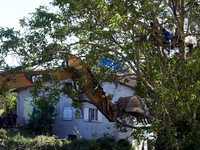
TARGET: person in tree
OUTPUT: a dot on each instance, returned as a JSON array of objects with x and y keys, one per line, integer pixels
[
  {"x": 14, "y": 119},
  {"x": 166, "y": 40},
  {"x": 1, "y": 122},
  {"x": 9, "y": 120}
]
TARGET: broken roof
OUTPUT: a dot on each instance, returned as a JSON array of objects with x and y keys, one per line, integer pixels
[{"x": 129, "y": 81}]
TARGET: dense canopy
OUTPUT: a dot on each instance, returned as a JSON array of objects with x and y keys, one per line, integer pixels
[{"x": 122, "y": 30}]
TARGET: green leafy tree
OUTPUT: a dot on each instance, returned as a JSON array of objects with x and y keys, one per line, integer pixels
[
  {"x": 43, "y": 116},
  {"x": 120, "y": 30},
  {"x": 9, "y": 101}
]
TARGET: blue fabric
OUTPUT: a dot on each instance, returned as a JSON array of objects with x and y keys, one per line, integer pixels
[
  {"x": 110, "y": 63},
  {"x": 106, "y": 62},
  {"x": 167, "y": 38}
]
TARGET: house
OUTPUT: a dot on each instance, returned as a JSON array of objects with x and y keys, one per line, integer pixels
[{"x": 90, "y": 123}]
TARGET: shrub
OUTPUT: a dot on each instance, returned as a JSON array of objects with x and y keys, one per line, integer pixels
[
  {"x": 43, "y": 117},
  {"x": 52, "y": 142},
  {"x": 2, "y": 133},
  {"x": 41, "y": 142},
  {"x": 124, "y": 144},
  {"x": 104, "y": 143}
]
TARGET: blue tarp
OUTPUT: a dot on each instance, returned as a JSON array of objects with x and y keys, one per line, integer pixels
[{"x": 113, "y": 64}]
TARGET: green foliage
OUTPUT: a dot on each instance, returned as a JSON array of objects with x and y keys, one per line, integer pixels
[
  {"x": 104, "y": 143},
  {"x": 43, "y": 116},
  {"x": 9, "y": 101},
  {"x": 2, "y": 133},
  {"x": 43, "y": 142},
  {"x": 18, "y": 141},
  {"x": 190, "y": 141},
  {"x": 119, "y": 30}
]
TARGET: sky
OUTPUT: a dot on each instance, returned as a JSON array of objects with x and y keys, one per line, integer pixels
[{"x": 11, "y": 11}]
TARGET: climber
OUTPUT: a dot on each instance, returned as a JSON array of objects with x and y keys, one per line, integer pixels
[{"x": 166, "y": 40}]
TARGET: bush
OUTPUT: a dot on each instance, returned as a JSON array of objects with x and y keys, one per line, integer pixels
[
  {"x": 43, "y": 117},
  {"x": 2, "y": 133},
  {"x": 41, "y": 142},
  {"x": 104, "y": 143},
  {"x": 124, "y": 144},
  {"x": 52, "y": 142}
]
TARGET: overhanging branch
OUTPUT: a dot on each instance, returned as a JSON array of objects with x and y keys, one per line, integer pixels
[{"x": 133, "y": 127}]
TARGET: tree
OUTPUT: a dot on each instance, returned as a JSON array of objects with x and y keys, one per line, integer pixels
[
  {"x": 121, "y": 30},
  {"x": 8, "y": 101},
  {"x": 43, "y": 116}
]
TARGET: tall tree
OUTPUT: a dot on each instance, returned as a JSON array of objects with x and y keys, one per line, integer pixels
[
  {"x": 8, "y": 101},
  {"x": 121, "y": 30}
]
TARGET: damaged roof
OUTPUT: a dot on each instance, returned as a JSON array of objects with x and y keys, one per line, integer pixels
[{"x": 129, "y": 81}]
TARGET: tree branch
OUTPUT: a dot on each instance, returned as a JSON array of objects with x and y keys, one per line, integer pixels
[
  {"x": 125, "y": 58},
  {"x": 191, "y": 6},
  {"x": 133, "y": 127}
]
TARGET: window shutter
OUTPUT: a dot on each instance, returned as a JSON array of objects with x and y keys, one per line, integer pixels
[
  {"x": 70, "y": 112},
  {"x": 86, "y": 114},
  {"x": 67, "y": 113},
  {"x": 99, "y": 116}
]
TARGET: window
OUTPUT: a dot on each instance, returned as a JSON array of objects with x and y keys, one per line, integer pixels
[
  {"x": 92, "y": 115},
  {"x": 70, "y": 112},
  {"x": 67, "y": 113}
]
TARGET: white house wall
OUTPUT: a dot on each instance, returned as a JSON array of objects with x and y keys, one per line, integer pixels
[
  {"x": 22, "y": 96},
  {"x": 89, "y": 129},
  {"x": 64, "y": 128}
]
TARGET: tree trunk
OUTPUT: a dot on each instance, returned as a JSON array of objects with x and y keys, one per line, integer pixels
[
  {"x": 181, "y": 47},
  {"x": 181, "y": 43}
]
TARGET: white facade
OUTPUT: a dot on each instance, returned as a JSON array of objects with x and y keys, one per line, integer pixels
[{"x": 91, "y": 122}]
